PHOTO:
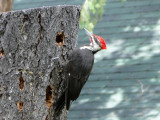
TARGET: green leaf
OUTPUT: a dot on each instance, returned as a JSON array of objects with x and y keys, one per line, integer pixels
[{"x": 91, "y": 13}]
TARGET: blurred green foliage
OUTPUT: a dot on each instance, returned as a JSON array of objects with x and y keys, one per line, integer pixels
[{"x": 91, "y": 13}]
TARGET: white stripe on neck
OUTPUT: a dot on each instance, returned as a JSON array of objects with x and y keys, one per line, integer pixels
[{"x": 86, "y": 47}]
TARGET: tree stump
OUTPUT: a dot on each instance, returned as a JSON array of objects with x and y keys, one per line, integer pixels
[{"x": 34, "y": 45}]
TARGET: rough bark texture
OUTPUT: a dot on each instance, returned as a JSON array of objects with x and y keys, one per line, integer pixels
[{"x": 34, "y": 45}]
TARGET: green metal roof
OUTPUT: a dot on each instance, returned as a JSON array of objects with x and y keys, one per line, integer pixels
[
  {"x": 24, "y": 4},
  {"x": 124, "y": 83},
  {"x": 125, "y": 80}
]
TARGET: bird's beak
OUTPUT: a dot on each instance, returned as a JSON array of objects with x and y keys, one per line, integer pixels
[{"x": 89, "y": 34}]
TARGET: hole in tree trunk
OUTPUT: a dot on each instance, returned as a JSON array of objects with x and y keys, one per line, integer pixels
[
  {"x": 60, "y": 38},
  {"x": 46, "y": 117},
  {"x": 2, "y": 53},
  {"x": 21, "y": 83},
  {"x": 20, "y": 105},
  {"x": 1, "y": 96},
  {"x": 49, "y": 96}
]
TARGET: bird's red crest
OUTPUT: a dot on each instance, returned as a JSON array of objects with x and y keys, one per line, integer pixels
[{"x": 102, "y": 41}]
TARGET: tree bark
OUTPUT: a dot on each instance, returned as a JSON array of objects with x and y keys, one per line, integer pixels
[{"x": 34, "y": 45}]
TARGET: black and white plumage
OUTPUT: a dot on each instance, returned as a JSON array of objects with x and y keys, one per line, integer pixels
[
  {"x": 78, "y": 69},
  {"x": 77, "y": 73}
]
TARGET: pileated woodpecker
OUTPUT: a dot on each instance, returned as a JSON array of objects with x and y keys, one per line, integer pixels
[{"x": 78, "y": 68}]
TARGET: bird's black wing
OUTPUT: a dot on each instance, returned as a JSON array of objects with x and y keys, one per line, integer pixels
[{"x": 77, "y": 72}]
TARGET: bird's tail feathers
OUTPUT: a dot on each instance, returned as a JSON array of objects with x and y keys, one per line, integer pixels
[{"x": 60, "y": 104}]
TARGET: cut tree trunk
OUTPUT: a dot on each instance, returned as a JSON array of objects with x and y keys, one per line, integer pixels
[{"x": 34, "y": 45}]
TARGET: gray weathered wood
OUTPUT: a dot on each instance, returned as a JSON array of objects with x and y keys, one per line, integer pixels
[{"x": 34, "y": 44}]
